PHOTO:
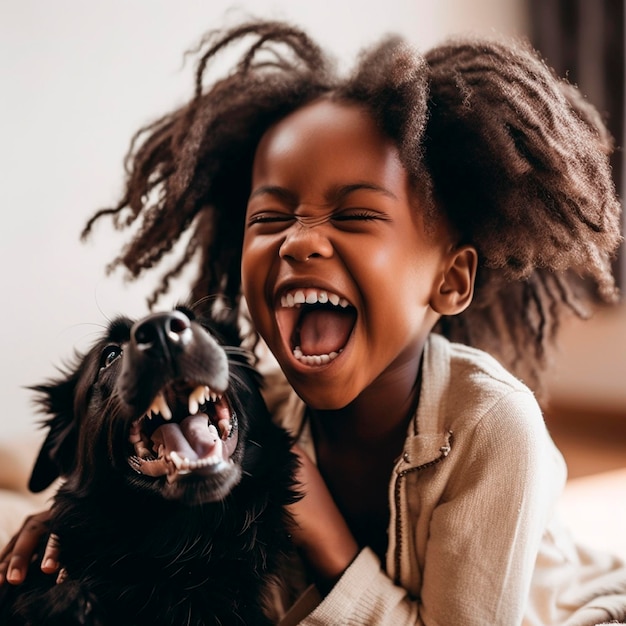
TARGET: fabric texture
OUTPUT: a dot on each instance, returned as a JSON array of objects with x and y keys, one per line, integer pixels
[{"x": 474, "y": 537}]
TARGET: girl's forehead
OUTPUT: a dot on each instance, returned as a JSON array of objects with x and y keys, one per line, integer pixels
[
  {"x": 327, "y": 117},
  {"x": 328, "y": 136}
]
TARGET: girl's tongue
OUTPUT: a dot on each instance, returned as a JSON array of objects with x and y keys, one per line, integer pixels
[{"x": 322, "y": 331}]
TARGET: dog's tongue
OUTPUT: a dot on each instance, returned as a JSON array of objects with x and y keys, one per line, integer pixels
[
  {"x": 322, "y": 331},
  {"x": 191, "y": 439}
]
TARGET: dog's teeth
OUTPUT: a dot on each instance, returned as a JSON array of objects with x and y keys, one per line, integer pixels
[
  {"x": 153, "y": 409},
  {"x": 159, "y": 405},
  {"x": 197, "y": 397},
  {"x": 176, "y": 459},
  {"x": 225, "y": 426},
  {"x": 182, "y": 465},
  {"x": 214, "y": 459},
  {"x": 142, "y": 451}
]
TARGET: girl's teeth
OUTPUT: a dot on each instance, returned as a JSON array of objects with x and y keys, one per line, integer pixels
[
  {"x": 314, "y": 359},
  {"x": 299, "y": 297}
]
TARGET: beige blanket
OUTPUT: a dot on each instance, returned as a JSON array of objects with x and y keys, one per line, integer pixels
[{"x": 17, "y": 456}]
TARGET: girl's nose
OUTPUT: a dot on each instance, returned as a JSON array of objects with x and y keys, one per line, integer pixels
[{"x": 302, "y": 243}]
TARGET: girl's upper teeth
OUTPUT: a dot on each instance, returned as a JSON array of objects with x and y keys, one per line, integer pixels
[{"x": 311, "y": 296}]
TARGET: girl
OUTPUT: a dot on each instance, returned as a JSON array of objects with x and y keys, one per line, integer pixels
[{"x": 359, "y": 218}]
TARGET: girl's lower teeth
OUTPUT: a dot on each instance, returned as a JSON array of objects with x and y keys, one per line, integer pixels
[{"x": 314, "y": 359}]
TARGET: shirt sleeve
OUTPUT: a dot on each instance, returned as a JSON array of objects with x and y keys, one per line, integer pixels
[
  {"x": 364, "y": 595},
  {"x": 484, "y": 533}
]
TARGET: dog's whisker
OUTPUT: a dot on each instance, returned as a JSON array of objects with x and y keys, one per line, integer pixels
[
  {"x": 238, "y": 350},
  {"x": 235, "y": 377},
  {"x": 248, "y": 366}
]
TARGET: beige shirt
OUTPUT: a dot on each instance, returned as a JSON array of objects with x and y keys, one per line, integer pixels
[{"x": 473, "y": 536}]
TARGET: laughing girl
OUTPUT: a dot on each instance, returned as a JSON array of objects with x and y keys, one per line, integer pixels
[{"x": 407, "y": 241}]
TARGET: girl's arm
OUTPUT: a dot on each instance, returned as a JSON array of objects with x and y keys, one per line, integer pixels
[
  {"x": 483, "y": 538},
  {"x": 320, "y": 531},
  {"x": 348, "y": 574},
  {"x": 18, "y": 553}
]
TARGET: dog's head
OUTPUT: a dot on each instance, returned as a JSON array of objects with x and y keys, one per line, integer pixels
[{"x": 155, "y": 402}]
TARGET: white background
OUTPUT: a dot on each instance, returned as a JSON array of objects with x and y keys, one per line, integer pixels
[{"x": 77, "y": 79}]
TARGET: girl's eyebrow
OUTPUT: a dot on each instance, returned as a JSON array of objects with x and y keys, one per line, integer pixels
[
  {"x": 340, "y": 192},
  {"x": 275, "y": 190},
  {"x": 336, "y": 194}
]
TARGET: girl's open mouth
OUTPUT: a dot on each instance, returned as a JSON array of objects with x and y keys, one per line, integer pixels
[{"x": 316, "y": 324}]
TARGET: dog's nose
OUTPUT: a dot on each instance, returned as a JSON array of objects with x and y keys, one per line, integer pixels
[{"x": 160, "y": 333}]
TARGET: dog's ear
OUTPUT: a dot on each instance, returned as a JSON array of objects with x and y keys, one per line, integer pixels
[{"x": 58, "y": 451}]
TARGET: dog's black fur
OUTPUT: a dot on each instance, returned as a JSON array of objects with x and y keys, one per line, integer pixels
[{"x": 190, "y": 546}]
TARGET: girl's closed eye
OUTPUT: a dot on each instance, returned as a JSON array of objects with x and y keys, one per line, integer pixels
[
  {"x": 358, "y": 215},
  {"x": 271, "y": 217},
  {"x": 279, "y": 220},
  {"x": 357, "y": 220}
]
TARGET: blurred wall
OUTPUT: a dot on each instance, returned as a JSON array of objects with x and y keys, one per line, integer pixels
[
  {"x": 589, "y": 373},
  {"x": 77, "y": 79}
]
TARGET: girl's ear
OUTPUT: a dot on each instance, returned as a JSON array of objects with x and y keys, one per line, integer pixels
[{"x": 455, "y": 290}]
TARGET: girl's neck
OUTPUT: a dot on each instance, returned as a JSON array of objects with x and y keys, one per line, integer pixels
[
  {"x": 379, "y": 413},
  {"x": 359, "y": 445}
]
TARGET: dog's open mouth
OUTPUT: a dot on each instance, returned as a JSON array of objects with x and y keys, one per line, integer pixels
[{"x": 184, "y": 431}]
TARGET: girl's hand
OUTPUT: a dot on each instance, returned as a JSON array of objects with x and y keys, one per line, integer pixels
[
  {"x": 320, "y": 530},
  {"x": 18, "y": 553}
]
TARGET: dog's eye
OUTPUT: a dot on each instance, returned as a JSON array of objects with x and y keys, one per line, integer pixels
[{"x": 109, "y": 354}]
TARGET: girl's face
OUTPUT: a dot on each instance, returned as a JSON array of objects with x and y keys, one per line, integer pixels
[{"x": 338, "y": 269}]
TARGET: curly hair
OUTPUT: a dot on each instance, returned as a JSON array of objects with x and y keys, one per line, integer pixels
[{"x": 512, "y": 156}]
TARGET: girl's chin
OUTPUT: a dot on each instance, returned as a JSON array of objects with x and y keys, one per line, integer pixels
[
  {"x": 323, "y": 389},
  {"x": 323, "y": 398}
]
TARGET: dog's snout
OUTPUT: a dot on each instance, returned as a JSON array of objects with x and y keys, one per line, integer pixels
[{"x": 161, "y": 332}]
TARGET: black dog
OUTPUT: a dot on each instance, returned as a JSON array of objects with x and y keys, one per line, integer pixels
[{"x": 172, "y": 507}]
